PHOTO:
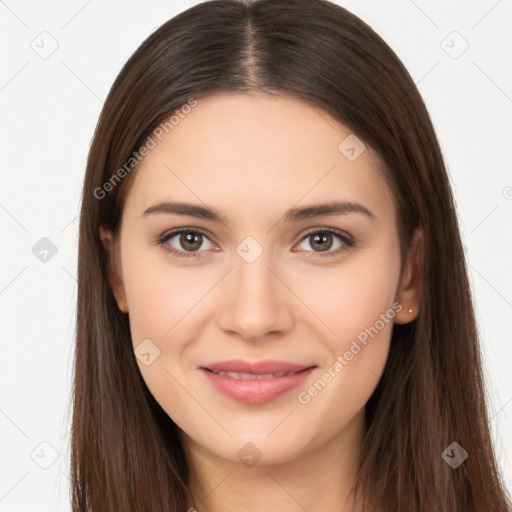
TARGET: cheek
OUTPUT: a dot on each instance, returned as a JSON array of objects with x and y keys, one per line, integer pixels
[
  {"x": 336, "y": 397},
  {"x": 358, "y": 310},
  {"x": 159, "y": 296},
  {"x": 163, "y": 304},
  {"x": 352, "y": 297},
  {"x": 362, "y": 303}
]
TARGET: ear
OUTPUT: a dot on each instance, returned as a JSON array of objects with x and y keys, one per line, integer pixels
[
  {"x": 114, "y": 271},
  {"x": 409, "y": 290}
]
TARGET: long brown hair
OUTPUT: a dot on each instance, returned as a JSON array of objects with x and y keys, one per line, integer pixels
[{"x": 126, "y": 453}]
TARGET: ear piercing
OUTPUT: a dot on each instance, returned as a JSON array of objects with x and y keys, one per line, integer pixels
[{"x": 410, "y": 310}]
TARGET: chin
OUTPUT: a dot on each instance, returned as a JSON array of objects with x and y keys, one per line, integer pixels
[{"x": 250, "y": 450}]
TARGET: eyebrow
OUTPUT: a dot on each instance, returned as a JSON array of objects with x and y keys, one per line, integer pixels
[{"x": 292, "y": 215}]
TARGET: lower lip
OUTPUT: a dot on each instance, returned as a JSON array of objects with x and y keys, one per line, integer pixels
[{"x": 256, "y": 391}]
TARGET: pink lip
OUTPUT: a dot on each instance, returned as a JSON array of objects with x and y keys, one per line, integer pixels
[
  {"x": 256, "y": 391},
  {"x": 258, "y": 367}
]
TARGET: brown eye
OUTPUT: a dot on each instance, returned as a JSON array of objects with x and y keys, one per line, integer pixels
[
  {"x": 185, "y": 242},
  {"x": 191, "y": 241},
  {"x": 322, "y": 241}
]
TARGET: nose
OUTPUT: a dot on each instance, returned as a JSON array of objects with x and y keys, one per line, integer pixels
[{"x": 256, "y": 301}]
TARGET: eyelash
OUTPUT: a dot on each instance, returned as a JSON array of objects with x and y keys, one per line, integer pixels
[{"x": 347, "y": 241}]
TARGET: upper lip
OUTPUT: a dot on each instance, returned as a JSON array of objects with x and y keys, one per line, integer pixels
[{"x": 257, "y": 367}]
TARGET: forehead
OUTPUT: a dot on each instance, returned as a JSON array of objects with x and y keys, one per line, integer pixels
[{"x": 258, "y": 151}]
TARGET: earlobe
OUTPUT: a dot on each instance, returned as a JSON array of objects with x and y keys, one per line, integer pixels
[
  {"x": 114, "y": 272},
  {"x": 409, "y": 294}
]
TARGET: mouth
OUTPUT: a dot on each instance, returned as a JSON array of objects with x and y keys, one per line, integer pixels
[
  {"x": 251, "y": 376},
  {"x": 255, "y": 383}
]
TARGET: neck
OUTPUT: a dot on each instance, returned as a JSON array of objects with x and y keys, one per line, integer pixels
[{"x": 318, "y": 479}]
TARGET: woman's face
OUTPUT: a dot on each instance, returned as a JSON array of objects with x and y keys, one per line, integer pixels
[{"x": 275, "y": 279}]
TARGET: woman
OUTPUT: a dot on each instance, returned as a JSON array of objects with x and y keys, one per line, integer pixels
[{"x": 273, "y": 307}]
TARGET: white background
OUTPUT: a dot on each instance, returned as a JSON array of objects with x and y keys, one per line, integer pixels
[{"x": 48, "y": 112}]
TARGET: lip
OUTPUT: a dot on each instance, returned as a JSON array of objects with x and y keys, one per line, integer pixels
[
  {"x": 257, "y": 367},
  {"x": 256, "y": 390}
]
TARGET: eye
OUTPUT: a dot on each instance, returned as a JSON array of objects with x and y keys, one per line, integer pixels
[
  {"x": 187, "y": 243},
  {"x": 321, "y": 241}
]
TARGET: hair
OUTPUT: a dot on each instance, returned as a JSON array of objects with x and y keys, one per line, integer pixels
[{"x": 126, "y": 452}]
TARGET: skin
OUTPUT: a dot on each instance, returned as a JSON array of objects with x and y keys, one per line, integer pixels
[{"x": 253, "y": 157}]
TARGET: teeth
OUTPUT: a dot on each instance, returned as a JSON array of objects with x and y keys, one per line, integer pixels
[
  {"x": 245, "y": 376},
  {"x": 252, "y": 376}
]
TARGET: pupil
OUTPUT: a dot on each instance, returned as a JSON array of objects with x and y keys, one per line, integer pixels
[
  {"x": 189, "y": 238},
  {"x": 319, "y": 239}
]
